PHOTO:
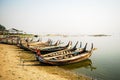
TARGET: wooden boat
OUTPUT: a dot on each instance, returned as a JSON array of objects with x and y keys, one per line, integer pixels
[
  {"x": 26, "y": 45},
  {"x": 29, "y": 43},
  {"x": 13, "y": 40},
  {"x": 45, "y": 50},
  {"x": 61, "y": 52},
  {"x": 69, "y": 57},
  {"x": 43, "y": 44},
  {"x": 49, "y": 42},
  {"x": 65, "y": 51},
  {"x": 4, "y": 40}
]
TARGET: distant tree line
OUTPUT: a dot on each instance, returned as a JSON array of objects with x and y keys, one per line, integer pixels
[
  {"x": 2, "y": 28},
  {"x": 4, "y": 31}
]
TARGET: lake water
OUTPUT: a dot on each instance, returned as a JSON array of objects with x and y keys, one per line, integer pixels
[{"x": 104, "y": 64}]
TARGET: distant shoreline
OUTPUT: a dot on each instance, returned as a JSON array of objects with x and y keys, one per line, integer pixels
[
  {"x": 100, "y": 35},
  {"x": 60, "y": 35}
]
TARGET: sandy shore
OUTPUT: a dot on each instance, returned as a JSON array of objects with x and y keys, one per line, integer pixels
[{"x": 11, "y": 68}]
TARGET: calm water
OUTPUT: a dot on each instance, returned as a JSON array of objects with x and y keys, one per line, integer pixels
[{"x": 104, "y": 63}]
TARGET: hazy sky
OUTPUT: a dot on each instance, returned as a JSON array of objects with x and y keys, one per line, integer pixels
[{"x": 61, "y": 16}]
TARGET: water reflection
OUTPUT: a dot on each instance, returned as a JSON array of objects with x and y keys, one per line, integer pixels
[{"x": 83, "y": 64}]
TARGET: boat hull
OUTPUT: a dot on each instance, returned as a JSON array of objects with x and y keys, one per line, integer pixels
[{"x": 75, "y": 59}]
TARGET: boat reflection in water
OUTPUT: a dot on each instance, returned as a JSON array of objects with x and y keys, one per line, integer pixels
[{"x": 83, "y": 64}]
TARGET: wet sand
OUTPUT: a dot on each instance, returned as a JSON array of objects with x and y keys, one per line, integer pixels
[{"x": 11, "y": 67}]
